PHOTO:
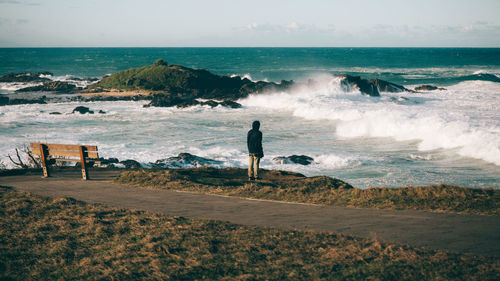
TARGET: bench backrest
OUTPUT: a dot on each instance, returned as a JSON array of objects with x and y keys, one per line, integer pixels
[
  {"x": 70, "y": 152},
  {"x": 65, "y": 150}
]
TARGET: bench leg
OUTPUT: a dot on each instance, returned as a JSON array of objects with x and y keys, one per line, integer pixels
[
  {"x": 43, "y": 157},
  {"x": 85, "y": 174}
]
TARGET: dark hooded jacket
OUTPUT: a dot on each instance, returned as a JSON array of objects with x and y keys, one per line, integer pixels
[{"x": 254, "y": 140}]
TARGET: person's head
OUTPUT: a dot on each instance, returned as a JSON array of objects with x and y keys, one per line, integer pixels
[{"x": 256, "y": 125}]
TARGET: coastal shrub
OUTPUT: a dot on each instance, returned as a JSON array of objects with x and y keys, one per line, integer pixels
[
  {"x": 294, "y": 187},
  {"x": 65, "y": 239}
]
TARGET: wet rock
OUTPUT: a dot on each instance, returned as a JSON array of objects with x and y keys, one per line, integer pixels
[
  {"x": 25, "y": 77},
  {"x": 293, "y": 159},
  {"x": 184, "y": 160},
  {"x": 230, "y": 104},
  {"x": 4, "y": 100},
  {"x": 131, "y": 164},
  {"x": 54, "y": 86},
  {"x": 364, "y": 85},
  {"x": 428, "y": 88},
  {"x": 82, "y": 110},
  {"x": 102, "y": 112},
  {"x": 385, "y": 86},
  {"x": 55, "y": 113}
]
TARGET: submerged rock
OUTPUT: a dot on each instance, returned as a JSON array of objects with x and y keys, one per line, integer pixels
[
  {"x": 167, "y": 100},
  {"x": 293, "y": 159},
  {"x": 184, "y": 160},
  {"x": 82, "y": 110},
  {"x": 428, "y": 88},
  {"x": 25, "y": 77}
]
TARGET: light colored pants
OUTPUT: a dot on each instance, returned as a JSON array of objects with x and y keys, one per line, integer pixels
[{"x": 253, "y": 167}]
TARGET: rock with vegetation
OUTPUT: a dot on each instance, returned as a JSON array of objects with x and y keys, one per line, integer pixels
[
  {"x": 25, "y": 77},
  {"x": 53, "y": 86},
  {"x": 183, "y": 83}
]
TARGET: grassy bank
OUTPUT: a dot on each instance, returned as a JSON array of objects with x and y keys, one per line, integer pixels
[
  {"x": 293, "y": 187},
  {"x": 66, "y": 239}
]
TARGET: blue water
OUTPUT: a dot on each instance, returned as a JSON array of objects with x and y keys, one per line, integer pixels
[{"x": 450, "y": 136}]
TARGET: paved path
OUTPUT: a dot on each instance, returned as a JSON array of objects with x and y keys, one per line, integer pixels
[{"x": 461, "y": 233}]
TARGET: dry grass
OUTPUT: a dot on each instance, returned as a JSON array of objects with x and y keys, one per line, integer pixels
[
  {"x": 293, "y": 187},
  {"x": 64, "y": 239}
]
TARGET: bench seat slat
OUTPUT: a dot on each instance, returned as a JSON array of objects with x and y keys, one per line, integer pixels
[{"x": 66, "y": 153}]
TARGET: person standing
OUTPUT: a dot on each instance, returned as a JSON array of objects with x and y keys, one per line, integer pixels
[{"x": 255, "y": 152}]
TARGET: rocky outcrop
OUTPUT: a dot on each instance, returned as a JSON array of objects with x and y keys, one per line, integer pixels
[
  {"x": 168, "y": 100},
  {"x": 185, "y": 160},
  {"x": 53, "y": 86},
  {"x": 184, "y": 83},
  {"x": 293, "y": 159},
  {"x": 428, "y": 88},
  {"x": 25, "y": 77},
  {"x": 364, "y": 85},
  {"x": 370, "y": 87}
]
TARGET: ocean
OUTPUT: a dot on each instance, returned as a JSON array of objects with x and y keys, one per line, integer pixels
[{"x": 444, "y": 136}]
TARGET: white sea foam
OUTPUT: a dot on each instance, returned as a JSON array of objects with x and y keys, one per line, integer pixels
[{"x": 465, "y": 117}]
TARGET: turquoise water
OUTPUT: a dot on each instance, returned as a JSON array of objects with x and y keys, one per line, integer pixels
[
  {"x": 450, "y": 136},
  {"x": 399, "y": 65}
]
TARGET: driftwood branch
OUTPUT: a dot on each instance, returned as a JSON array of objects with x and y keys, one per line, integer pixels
[{"x": 31, "y": 163}]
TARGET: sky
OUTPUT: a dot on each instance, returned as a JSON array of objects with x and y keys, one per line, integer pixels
[{"x": 257, "y": 23}]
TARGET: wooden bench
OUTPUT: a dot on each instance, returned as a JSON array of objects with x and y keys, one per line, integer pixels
[{"x": 49, "y": 153}]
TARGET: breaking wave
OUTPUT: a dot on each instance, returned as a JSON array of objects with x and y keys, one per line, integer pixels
[{"x": 463, "y": 117}]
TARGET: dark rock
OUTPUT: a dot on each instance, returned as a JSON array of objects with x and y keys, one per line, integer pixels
[
  {"x": 169, "y": 100},
  {"x": 385, "y": 86},
  {"x": 4, "y": 100},
  {"x": 101, "y": 112},
  {"x": 364, "y": 86},
  {"x": 231, "y": 104},
  {"x": 25, "y": 77},
  {"x": 54, "y": 86},
  {"x": 55, "y": 113},
  {"x": 131, "y": 164},
  {"x": 293, "y": 159},
  {"x": 210, "y": 103},
  {"x": 82, "y": 110},
  {"x": 27, "y": 101},
  {"x": 428, "y": 88},
  {"x": 184, "y": 160}
]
